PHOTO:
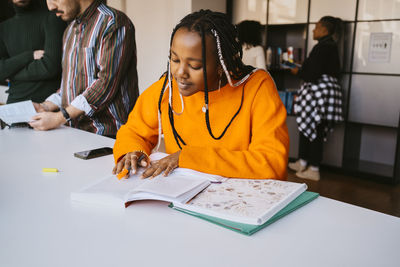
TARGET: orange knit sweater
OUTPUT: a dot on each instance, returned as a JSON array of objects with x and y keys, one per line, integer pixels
[{"x": 255, "y": 145}]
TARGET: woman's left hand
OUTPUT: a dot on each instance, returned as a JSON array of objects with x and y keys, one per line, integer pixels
[{"x": 166, "y": 165}]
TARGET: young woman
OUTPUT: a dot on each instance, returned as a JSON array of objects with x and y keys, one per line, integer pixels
[
  {"x": 319, "y": 104},
  {"x": 217, "y": 115}
]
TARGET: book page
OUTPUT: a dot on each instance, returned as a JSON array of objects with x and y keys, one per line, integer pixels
[
  {"x": 243, "y": 200},
  {"x": 189, "y": 172},
  {"x": 171, "y": 186},
  {"x": 110, "y": 191},
  {"x": 17, "y": 112}
]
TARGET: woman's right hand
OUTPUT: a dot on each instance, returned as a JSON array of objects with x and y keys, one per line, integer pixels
[{"x": 131, "y": 162}]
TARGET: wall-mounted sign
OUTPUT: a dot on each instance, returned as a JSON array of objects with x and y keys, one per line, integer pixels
[{"x": 380, "y": 44}]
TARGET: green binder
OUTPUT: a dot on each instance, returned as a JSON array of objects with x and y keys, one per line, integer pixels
[{"x": 249, "y": 229}]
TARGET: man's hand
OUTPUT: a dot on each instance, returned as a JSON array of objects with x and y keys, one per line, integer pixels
[
  {"x": 45, "y": 106},
  {"x": 38, "y": 54},
  {"x": 39, "y": 107},
  {"x": 47, "y": 120}
]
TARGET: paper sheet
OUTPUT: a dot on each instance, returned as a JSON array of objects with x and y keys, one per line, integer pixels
[{"x": 17, "y": 112}]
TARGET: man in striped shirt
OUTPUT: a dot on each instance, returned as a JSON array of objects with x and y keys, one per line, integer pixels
[{"x": 99, "y": 84}]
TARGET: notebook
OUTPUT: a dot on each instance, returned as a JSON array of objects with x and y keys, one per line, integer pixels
[
  {"x": 20, "y": 112},
  {"x": 249, "y": 229},
  {"x": 244, "y": 200}
]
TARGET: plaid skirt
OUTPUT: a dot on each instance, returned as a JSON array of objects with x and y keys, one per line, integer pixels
[{"x": 317, "y": 102}]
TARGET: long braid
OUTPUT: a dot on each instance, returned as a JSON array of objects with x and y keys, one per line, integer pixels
[
  {"x": 170, "y": 114},
  {"x": 206, "y": 100}
]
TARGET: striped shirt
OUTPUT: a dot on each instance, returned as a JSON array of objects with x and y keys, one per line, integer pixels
[{"x": 99, "y": 69}]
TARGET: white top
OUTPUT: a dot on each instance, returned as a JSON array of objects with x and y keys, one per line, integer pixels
[
  {"x": 39, "y": 225},
  {"x": 254, "y": 56}
]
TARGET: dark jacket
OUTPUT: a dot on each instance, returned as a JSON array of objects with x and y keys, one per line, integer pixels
[
  {"x": 323, "y": 59},
  {"x": 29, "y": 30}
]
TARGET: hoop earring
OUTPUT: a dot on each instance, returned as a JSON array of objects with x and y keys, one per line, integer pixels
[{"x": 170, "y": 93}]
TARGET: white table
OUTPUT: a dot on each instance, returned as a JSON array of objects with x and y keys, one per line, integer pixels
[{"x": 39, "y": 226}]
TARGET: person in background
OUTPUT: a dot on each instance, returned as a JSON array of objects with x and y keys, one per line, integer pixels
[
  {"x": 319, "y": 103},
  {"x": 217, "y": 115},
  {"x": 99, "y": 83},
  {"x": 249, "y": 33},
  {"x": 30, "y": 51}
]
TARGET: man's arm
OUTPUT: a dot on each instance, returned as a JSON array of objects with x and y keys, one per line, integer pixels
[
  {"x": 50, "y": 120},
  {"x": 114, "y": 60},
  {"x": 11, "y": 65},
  {"x": 49, "y": 65},
  {"x": 116, "y": 53}
]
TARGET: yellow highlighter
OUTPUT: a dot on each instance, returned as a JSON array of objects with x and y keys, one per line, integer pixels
[
  {"x": 122, "y": 174},
  {"x": 49, "y": 170}
]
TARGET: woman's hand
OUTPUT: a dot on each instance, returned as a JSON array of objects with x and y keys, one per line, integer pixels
[
  {"x": 131, "y": 162},
  {"x": 166, "y": 165}
]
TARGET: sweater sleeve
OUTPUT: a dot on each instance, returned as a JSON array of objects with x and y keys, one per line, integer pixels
[
  {"x": 267, "y": 153},
  {"x": 11, "y": 65},
  {"x": 141, "y": 130},
  {"x": 50, "y": 64}
]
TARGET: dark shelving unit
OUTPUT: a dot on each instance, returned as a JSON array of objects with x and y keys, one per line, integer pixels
[{"x": 283, "y": 36}]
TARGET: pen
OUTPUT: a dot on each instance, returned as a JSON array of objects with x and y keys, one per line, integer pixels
[{"x": 125, "y": 171}]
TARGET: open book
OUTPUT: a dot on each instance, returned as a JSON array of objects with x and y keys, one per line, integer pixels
[
  {"x": 243, "y": 201},
  {"x": 179, "y": 186},
  {"x": 17, "y": 112}
]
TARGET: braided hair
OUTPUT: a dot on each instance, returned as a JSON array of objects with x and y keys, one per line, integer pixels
[{"x": 229, "y": 52}]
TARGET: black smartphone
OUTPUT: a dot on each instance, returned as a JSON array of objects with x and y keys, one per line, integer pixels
[{"x": 94, "y": 153}]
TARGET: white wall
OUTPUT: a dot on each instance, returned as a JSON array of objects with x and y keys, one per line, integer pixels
[
  {"x": 154, "y": 21},
  {"x": 214, "y": 5},
  {"x": 249, "y": 10}
]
